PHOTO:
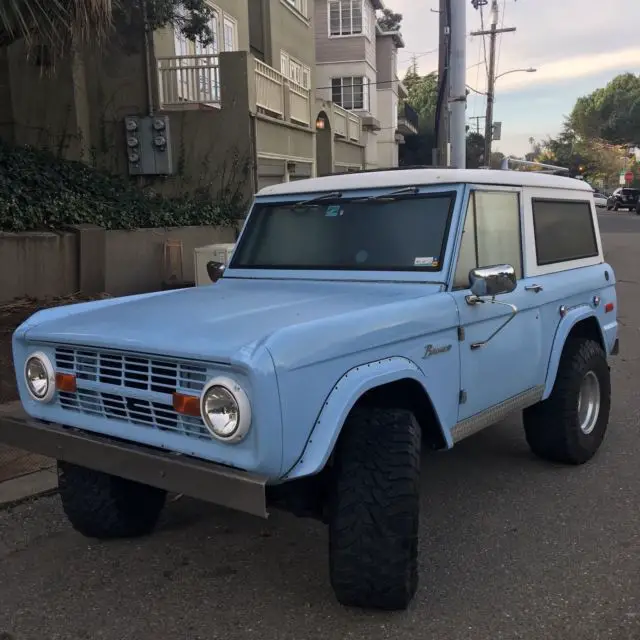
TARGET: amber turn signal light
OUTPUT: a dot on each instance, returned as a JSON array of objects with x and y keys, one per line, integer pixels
[
  {"x": 186, "y": 405},
  {"x": 66, "y": 382}
]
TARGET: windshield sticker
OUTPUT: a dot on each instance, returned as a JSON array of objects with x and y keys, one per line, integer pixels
[
  {"x": 333, "y": 210},
  {"x": 425, "y": 262}
]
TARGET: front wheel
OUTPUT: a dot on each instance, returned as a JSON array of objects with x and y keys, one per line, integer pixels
[
  {"x": 103, "y": 506},
  {"x": 570, "y": 425},
  {"x": 374, "y": 511}
]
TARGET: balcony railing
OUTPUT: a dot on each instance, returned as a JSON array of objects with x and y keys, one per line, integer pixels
[
  {"x": 299, "y": 106},
  {"x": 346, "y": 124},
  {"x": 280, "y": 97},
  {"x": 269, "y": 89},
  {"x": 189, "y": 80},
  {"x": 408, "y": 119}
]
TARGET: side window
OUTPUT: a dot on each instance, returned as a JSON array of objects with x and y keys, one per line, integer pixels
[
  {"x": 563, "y": 231},
  {"x": 491, "y": 234}
]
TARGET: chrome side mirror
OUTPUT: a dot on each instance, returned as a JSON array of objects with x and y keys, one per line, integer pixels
[
  {"x": 488, "y": 282},
  {"x": 214, "y": 270}
]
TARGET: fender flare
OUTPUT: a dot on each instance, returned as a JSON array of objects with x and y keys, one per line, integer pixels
[
  {"x": 341, "y": 399},
  {"x": 575, "y": 315}
]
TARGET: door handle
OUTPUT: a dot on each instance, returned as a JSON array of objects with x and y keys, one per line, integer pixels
[{"x": 536, "y": 288}]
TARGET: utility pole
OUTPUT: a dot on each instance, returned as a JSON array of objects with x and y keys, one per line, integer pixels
[
  {"x": 492, "y": 33},
  {"x": 441, "y": 153},
  {"x": 458, "y": 85}
]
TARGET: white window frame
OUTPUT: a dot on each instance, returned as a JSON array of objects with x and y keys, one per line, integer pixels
[
  {"x": 219, "y": 21},
  {"x": 532, "y": 268},
  {"x": 299, "y": 7},
  {"x": 364, "y": 14},
  {"x": 294, "y": 70},
  {"x": 366, "y": 92}
]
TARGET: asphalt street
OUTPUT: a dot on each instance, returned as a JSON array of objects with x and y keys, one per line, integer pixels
[{"x": 511, "y": 547}]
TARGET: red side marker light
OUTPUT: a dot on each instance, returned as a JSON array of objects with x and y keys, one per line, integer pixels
[
  {"x": 66, "y": 382},
  {"x": 186, "y": 405},
  {"x": 608, "y": 307}
]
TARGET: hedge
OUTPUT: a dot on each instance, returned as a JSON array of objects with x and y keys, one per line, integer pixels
[{"x": 39, "y": 191}]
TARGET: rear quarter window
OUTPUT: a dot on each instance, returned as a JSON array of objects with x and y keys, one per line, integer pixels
[{"x": 563, "y": 230}]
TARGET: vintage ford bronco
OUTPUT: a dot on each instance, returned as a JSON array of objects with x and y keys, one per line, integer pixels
[{"x": 361, "y": 317}]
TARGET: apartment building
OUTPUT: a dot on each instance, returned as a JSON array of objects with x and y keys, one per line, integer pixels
[
  {"x": 239, "y": 113},
  {"x": 357, "y": 69}
]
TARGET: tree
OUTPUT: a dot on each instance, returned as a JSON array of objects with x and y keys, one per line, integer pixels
[
  {"x": 422, "y": 96},
  {"x": 58, "y": 24},
  {"x": 475, "y": 150},
  {"x": 611, "y": 113},
  {"x": 389, "y": 20}
]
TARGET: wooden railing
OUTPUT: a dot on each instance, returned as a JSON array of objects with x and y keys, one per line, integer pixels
[
  {"x": 269, "y": 89},
  {"x": 299, "y": 107},
  {"x": 346, "y": 124},
  {"x": 189, "y": 80}
]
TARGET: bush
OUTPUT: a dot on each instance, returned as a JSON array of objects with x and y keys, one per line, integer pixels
[{"x": 39, "y": 191}]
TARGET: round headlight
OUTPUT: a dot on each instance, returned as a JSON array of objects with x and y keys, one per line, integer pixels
[
  {"x": 40, "y": 377},
  {"x": 225, "y": 410}
]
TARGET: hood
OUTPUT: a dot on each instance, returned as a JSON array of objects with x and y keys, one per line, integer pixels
[{"x": 223, "y": 322}]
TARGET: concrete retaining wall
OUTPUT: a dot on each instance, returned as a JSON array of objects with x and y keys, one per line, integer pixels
[{"x": 92, "y": 260}]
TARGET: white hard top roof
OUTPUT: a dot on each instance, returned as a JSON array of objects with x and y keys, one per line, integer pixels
[{"x": 423, "y": 177}]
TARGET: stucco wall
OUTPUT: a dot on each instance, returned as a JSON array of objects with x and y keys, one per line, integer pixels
[{"x": 44, "y": 264}]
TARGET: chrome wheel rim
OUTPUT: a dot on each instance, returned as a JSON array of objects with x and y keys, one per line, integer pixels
[{"x": 589, "y": 403}]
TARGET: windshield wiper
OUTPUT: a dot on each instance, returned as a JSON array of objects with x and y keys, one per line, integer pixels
[
  {"x": 389, "y": 196},
  {"x": 326, "y": 196}
]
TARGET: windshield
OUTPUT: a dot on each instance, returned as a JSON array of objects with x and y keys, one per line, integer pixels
[{"x": 402, "y": 234}]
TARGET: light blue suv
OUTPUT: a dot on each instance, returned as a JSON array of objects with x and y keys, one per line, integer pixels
[{"x": 361, "y": 317}]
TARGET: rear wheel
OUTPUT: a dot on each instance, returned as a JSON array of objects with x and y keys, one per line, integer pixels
[
  {"x": 100, "y": 505},
  {"x": 570, "y": 425},
  {"x": 374, "y": 512}
]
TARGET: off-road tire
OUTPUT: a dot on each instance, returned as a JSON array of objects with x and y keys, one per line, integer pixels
[
  {"x": 100, "y": 505},
  {"x": 552, "y": 427},
  {"x": 374, "y": 510}
]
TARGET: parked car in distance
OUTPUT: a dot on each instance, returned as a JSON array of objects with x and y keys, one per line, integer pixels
[
  {"x": 623, "y": 198},
  {"x": 600, "y": 199},
  {"x": 361, "y": 318}
]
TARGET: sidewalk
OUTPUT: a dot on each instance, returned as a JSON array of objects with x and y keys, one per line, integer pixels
[{"x": 23, "y": 474}]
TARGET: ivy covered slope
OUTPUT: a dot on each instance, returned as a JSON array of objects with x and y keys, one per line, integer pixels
[{"x": 38, "y": 191}]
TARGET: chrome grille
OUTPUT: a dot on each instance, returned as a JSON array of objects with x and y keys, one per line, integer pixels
[
  {"x": 144, "y": 413},
  {"x": 131, "y": 371},
  {"x": 131, "y": 388}
]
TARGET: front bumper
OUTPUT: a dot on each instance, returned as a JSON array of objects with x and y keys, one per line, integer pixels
[{"x": 199, "y": 479}]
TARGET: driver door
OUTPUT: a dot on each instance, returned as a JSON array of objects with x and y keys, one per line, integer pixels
[{"x": 508, "y": 361}]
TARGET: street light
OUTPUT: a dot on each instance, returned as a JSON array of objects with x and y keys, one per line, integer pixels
[
  {"x": 488, "y": 123},
  {"x": 528, "y": 70}
]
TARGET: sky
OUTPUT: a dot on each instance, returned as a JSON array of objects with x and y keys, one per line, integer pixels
[{"x": 576, "y": 46}]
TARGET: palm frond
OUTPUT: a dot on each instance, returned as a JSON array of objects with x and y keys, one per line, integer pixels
[{"x": 55, "y": 23}]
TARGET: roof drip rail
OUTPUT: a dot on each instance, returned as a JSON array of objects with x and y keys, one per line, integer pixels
[{"x": 545, "y": 168}]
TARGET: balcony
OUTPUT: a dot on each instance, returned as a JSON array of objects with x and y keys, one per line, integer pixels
[
  {"x": 281, "y": 98},
  {"x": 195, "y": 80},
  {"x": 408, "y": 120},
  {"x": 346, "y": 125},
  {"x": 188, "y": 80}
]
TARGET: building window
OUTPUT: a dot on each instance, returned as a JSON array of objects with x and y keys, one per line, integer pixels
[
  {"x": 294, "y": 70},
  {"x": 351, "y": 93},
  {"x": 563, "y": 231},
  {"x": 300, "y": 6},
  {"x": 346, "y": 17},
  {"x": 224, "y": 31},
  {"x": 229, "y": 31}
]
